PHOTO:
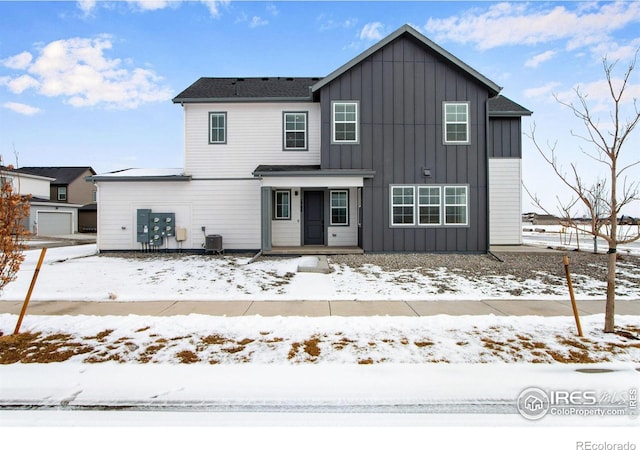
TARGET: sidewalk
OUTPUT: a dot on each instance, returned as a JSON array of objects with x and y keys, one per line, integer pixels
[{"x": 319, "y": 308}]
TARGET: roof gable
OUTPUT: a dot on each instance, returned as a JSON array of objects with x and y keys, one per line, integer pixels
[{"x": 406, "y": 29}]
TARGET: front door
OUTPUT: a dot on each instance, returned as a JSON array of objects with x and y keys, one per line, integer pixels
[{"x": 313, "y": 217}]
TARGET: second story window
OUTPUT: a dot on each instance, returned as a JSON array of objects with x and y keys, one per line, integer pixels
[
  {"x": 295, "y": 131},
  {"x": 217, "y": 128},
  {"x": 62, "y": 193},
  {"x": 345, "y": 122},
  {"x": 456, "y": 123}
]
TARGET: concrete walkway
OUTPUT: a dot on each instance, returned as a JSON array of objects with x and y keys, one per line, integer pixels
[{"x": 320, "y": 308}]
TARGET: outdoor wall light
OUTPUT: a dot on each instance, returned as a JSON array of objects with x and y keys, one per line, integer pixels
[{"x": 426, "y": 172}]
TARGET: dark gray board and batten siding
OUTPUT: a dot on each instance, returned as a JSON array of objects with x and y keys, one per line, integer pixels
[
  {"x": 401, "y": 89},
  {"x": 505, "y": 137}
]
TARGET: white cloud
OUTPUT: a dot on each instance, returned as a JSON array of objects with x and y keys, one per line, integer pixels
[
  {"x": 21, "y": 108},
  {"x": 529, "y": 23},
  {"x": 257, "y": 21},
  {"x": 371, "y": 31},
  {"x": 272, "y": 9},
  {"x": 540, "y": 58},
  {"x": 327, "y": 24},
  {"x": 20, "y": 84},
  {"x": 89, "y": 6},
  {"x": 541, "y": 91},
  {"x": 598, "y": 94},
  {"x": 613, "y": 51},
  {"x": 19, "y": 61},
  {"x": 78, "y": 70}
]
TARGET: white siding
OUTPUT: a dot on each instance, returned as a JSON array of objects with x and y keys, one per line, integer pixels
[
  {"x": 25, "y": 184},
  {"x": 505, "y": 201},
  {"x": 288, "y": 232},
  {"x": 254, "y": 137},
  {"x": 230, "y": 208},
  {"x": 345, "y": 235}
]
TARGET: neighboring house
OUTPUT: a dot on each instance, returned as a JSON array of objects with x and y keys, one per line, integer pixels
[
  {"x": 541, "y": 219},
  {"x": 70, "y": 186},
  {"x": 46, "y": 217},
  {"x": 405, "y": 148}
]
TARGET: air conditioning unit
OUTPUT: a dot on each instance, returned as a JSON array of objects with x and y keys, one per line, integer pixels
[{"x": 213, "y": 243}]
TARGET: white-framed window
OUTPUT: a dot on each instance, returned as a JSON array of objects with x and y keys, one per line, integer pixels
[
  {"x": 62, "y": 193},
  {"x": 403, "y": 205},
  {"x": 339, "y": 207},
  {"x": 344, "y": 122},
  {"x": 456, "y": 122},
  {"x": 282, "y": 205},
  {"x": 217, "y": 128},
  {"x": 295, "y": 130},
  {"x": 429, "y": 205},
  {"x": 456, "y": 201}
]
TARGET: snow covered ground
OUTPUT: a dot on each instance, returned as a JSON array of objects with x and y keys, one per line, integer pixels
[
  {"x": 77, "y": 273},
  {"x": 370, "y": 382},
  {"x": 559, "y": 236}
]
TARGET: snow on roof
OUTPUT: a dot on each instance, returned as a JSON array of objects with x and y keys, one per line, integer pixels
[{"x": 143, "y": 174}]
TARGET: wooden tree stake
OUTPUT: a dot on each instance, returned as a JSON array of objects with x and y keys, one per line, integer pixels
[
  {"x": 573, "y": 298},
  {"x": 33, "y": 284}
]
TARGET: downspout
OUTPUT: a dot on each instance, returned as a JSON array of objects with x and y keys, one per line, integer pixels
[{"x": 486, "y": 169}]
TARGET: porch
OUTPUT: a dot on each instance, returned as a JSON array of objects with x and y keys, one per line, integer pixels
[{"x": 309, "y": 211}]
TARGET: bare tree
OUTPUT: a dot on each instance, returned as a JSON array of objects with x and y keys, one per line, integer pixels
[
  {"x": 14, "y": 209},
  {"x": 605, "y": 197}
]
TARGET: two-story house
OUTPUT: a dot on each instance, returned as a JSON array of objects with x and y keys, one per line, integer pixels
[
  {"x": 69, "y": 186},
  {"x": 405, "y": 148},
  {"x": 47, "y": 216}
]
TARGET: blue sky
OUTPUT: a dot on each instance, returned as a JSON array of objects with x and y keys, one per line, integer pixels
[{"x": 91, "y": 82}]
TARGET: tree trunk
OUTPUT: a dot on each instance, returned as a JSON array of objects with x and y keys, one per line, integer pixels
[{"x": 609, "y": 310}]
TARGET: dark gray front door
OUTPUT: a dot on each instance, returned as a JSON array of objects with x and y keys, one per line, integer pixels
[{"x": 313, "y": 217}]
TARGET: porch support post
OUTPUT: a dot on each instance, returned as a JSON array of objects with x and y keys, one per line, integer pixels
[{"x": 265, "y": 214}]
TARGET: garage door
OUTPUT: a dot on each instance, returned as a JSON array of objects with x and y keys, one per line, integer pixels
[{"x": 54, "y": 223}]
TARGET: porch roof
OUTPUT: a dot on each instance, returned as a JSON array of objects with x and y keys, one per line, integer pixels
[{"x": 309, "y": 171}]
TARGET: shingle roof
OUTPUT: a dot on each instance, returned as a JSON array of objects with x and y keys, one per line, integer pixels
[
  {"x": 503, "y": 106},
  {"x": 241, "y": 89},
  {"x": 62, "y": 175}
]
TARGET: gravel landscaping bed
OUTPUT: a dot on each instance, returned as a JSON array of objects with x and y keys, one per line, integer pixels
[{"x": 521, "y": 266}]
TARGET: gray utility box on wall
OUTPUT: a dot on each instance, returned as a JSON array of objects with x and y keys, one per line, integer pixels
[
  {"x": 213, "y": 243},
  {"x": 152, "y": 227}
]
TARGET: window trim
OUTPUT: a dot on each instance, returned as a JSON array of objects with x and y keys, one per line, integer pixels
[
  {"x": 62, "y": 193},
  {"x": 284, "y": 132},
  {"x": 333, "y": 122},
  {"x": 331, "y": 207},
  {"x": 392, "y": 205},
  {"x": 445, "y": 204},
  {"x": 211, "y": 115},
  {"x": 442, "y": 206},
  {"x": 445, "y": 123},
  {"x": 275, "y": 204}
]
